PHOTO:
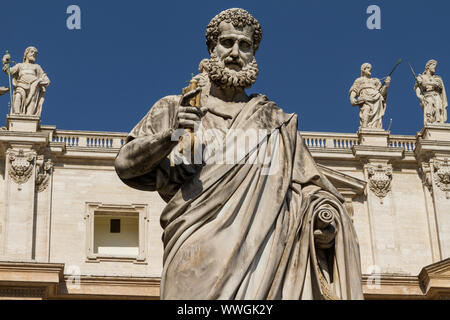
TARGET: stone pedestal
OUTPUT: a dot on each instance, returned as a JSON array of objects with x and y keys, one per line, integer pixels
[
  {"x": 439, "y": 132},
  {"x": 374, "y": 144},
  {"x": 22, "y": 123},
  {"x": 373, "y": 137}
]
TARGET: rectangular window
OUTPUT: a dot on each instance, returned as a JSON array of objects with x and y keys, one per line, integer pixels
[{"x": 116, "y": 232}]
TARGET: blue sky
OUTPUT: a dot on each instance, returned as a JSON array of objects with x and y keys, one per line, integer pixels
[{"x": 129, "y": 54}]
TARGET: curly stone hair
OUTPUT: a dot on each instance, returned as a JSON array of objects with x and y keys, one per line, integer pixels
[{"x": 239, "y": 18}]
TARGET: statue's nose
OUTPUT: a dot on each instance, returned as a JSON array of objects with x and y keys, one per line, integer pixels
[{"x": 235, "y": 50}]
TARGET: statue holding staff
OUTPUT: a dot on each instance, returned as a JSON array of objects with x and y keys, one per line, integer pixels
[
  {"x": 370, "y": 95},
  {"x": 29, "y": 81},
  {"x": 430, "y": 91}
]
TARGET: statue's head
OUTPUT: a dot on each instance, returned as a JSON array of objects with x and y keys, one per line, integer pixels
[
  {"x": 30, "y": 54},
  {"x": 241, "y": 20},
  {"x": 232, "y": 38},
  {"x": 366, "y": 70},
  {"x": 431, "y": 66}
]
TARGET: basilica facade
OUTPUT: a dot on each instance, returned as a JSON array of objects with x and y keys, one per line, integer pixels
[{"x": 70, "y": 228}]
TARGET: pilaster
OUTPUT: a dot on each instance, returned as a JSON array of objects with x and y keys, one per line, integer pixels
[
  {"x": 377, "y": 157},
  {"x": 433, "y": 156},
  {"x": 27, "y": 174}
]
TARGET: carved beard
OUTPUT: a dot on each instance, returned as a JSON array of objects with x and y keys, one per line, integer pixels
[{"x": 223, "y": 77}]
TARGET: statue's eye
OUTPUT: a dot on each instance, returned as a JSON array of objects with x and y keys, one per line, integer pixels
[
  {"x": 227, "y": 43},
  {"x": 244, "y": 46}
]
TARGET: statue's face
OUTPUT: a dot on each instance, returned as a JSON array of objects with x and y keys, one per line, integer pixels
[
  {"x": 32, "y": 55},
  {"x": 432, "y": 68},
  {"x": 367, "y": 70},
  {"x": 234, "y": 46}
]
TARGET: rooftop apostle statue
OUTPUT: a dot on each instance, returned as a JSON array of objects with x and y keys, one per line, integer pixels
[
  {"x": 270, "y": 229},
  {"x": 430, "y": 91},
  {"x": 370, "y": 95},
  {"x": 29, "y": 81}
]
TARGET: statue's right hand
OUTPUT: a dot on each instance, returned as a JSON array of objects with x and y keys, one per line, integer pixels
[
  {"x": 188, "y": 115},
  {"x": 6, "y": 58}
]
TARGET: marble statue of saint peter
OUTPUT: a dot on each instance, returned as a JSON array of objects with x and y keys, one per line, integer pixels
[{"x": 269, "y": 229}]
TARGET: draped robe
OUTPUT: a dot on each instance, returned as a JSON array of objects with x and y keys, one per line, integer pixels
[
  {"x": 434, "y": 103},
  {"x": 246, "y": 230},
  {"x": 373, "y": 107}
]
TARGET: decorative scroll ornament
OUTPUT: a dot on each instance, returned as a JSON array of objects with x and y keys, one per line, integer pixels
[
  {"x": 380, "y": 180},
  {"x": 426, "y": 175},
  {"x": 20, "y": 166},
  {"x": 442, "y": 175},
  {"x": 43, "y": 173}
]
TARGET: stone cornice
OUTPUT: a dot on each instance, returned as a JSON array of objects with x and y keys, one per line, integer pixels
[
  {"x": 433, "y": 282},
  {"x": 348, "y": 181},
  {"x": 429, "y": 148},
  {"x": 30, "y": 280},
  {"x": 109, "y": 287},
  {"x": 375, "y": 152},
  {"x": 20, "y": 137}
]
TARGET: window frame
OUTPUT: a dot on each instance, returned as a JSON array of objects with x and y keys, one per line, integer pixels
[{"x": 117, "y": 211}]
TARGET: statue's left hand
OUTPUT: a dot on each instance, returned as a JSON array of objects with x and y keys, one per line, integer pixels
[
  {"x": 324, "y": 238},
  {"x": 387, "y": 82}
]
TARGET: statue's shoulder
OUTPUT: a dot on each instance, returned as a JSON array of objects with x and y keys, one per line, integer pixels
[
  {"x": 377, "y": 82},
  {"x": 18, "y": 65},
  {"x": 165, "y": 103},
  {"x": 38, "y": 66},
  {"x": 261, "y": 101},
  {"x": 357, "y": 85},
  {"x": 160, "y": 117},
  {"x": 359, "y": 81},
  {"x": 165, "y": 107}
]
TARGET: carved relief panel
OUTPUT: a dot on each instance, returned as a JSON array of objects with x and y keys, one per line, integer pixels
[
  {"x": 21, "y": 164},
  {"x": 43, "y": 173},
  {"x": 380, "y": 178},
  {"x": 441, "y": 175}
]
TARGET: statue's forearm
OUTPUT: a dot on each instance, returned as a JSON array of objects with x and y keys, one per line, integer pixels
[
  {"x": 141, "y": 155},
  {"x": 13, "y": 70},
  {"x": 45, "y": 80},
  {"x": 418, "y": 93},
  {"x": 353, "y": 98}
]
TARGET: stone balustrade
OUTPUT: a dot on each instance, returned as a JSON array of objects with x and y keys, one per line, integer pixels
[
  {"x": 90, "y": 139},
  {"x": 326, "y": 140},
  {"x": 330, "y": 140},
  {"x": 406, "y": 142},
  {"x": 321, "y": 140}
]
